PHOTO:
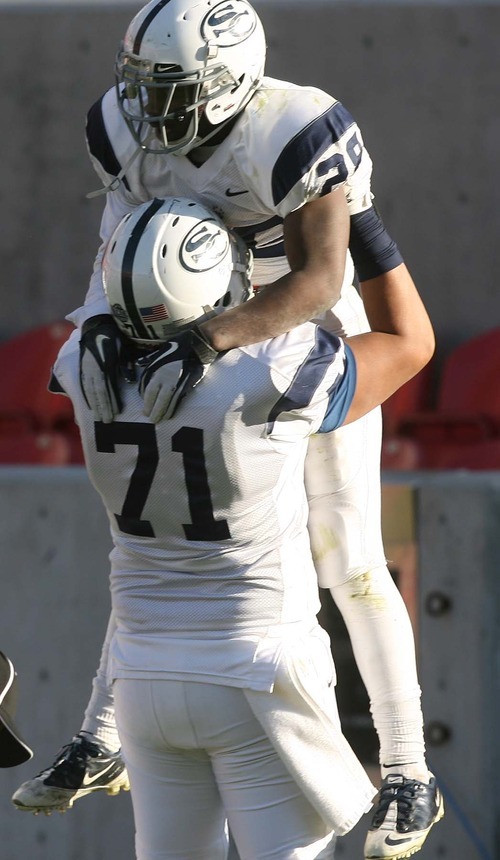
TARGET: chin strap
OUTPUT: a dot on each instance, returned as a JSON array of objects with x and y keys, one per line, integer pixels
[{"x": 116, "y": 182}]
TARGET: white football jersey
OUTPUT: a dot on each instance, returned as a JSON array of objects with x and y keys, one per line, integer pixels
[
  {"x": 290, "y": 145},
  {"x": 208, "y": 511}
]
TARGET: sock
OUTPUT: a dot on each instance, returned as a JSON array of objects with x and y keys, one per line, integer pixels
[{"x": 382, "y": 641}]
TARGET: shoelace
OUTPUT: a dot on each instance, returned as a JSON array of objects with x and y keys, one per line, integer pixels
[
  {"x": 403, "y": 793},
  {"x": 74, "y": 753}
]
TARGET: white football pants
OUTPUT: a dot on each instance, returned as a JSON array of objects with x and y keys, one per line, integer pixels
[{"x": 195, "y": 754}]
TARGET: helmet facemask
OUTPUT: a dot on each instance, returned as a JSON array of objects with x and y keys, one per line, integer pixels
[{"x": 163, "y": 108}]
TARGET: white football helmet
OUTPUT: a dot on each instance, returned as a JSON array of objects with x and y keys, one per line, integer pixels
[
  {"x": 170, "y": 263},
  {"x": 182, "y": 60}
]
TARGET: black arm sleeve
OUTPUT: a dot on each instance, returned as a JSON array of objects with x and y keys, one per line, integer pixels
[{"x": 372, "y": 249}]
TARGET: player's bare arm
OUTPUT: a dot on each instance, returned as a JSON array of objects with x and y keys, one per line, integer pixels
[
  {"x": 401, "y": 343},
  {"x": 316, "y": 241}
]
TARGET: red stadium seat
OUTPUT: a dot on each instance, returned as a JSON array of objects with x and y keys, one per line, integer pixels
[
  {"x": 470, "y": 379},
  {"x": 467, "y": 412},
  {"x": 400, "y": 454},
  {"x": 435, "y": 428},
  {"x": 29, "y": 358},
  {"x": 468, "y": 397},
  {"x": 463, "y": 431},
  {"x": 31, "y": 447},
  {"x": 36, "y": 426},
  {"x": 414, "y": 396},
  {"x": 475, "y": 456}
]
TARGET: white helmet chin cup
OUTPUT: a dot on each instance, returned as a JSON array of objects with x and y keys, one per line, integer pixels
[
  {"x": 216, "y": 50},
  {"x": 170, "y": 263}
]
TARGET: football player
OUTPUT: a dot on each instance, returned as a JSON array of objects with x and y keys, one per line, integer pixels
[
  {"x": 285, "y": 166},
  {"x": 217, "y": 661}
]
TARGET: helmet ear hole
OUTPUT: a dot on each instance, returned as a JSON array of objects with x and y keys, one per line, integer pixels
[{"x": 224, "y": 300}]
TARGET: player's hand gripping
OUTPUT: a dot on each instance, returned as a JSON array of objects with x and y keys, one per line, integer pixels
[
  {"x": 174, "y": 370},
  {"x": 100, "y": 346}
]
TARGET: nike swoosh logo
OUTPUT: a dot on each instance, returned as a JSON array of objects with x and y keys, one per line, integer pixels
[
  {"x": 160, "y": 359},
  {"x": 230, "y": 193},
  {"x": 389, "y": 841},
  {"x": 88, "y": 780},
  {"x": 172, "y": 347},
  {"x": 99, "y": 346}
]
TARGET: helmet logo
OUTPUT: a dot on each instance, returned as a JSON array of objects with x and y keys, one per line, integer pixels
[
  {"x": 229, "y": 23},
  {"x": 204, "y": 247}
]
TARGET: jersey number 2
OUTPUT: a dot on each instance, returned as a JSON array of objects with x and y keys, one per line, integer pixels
[{"x": 188, "y": 441}]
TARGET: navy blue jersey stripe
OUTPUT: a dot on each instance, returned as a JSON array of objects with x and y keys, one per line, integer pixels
[
  {"x": 128, "y": 265},
  {"x": 306, "y": 147},
  {"x": 99, "y": 143},
  {"x": 249, "y": 231},
  {"x": 145, "y": 24},
  {"x": 268, "y": 252},
  {"x": 307, "y": 377},
  {"x": 267, "y": 247}
]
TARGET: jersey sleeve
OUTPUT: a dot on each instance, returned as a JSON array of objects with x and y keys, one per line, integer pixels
[
  {"x": 320, "y": 376},
  {"x": 110, "y": 146},
  {"x": 307, "y": 145},
  {"x": 102, "y": 120}
]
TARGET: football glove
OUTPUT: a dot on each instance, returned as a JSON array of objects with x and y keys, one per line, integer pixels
[
  {"x": 173, "y": 371},
  {"x": 100, "y": 346}
]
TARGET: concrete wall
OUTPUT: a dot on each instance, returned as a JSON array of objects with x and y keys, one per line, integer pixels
[
  {"x": 422, "y": 81},
  {"x": 458, "y": 526},
  {"x": 54, "y": 544}
]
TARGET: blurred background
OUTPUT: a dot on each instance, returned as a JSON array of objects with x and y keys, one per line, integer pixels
[{"x": 423, "y": 83}]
